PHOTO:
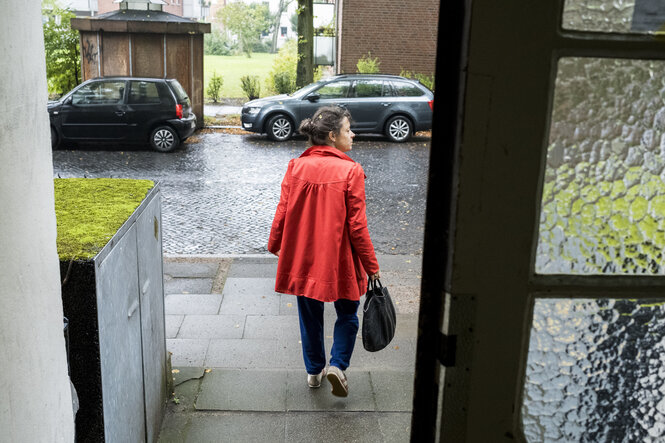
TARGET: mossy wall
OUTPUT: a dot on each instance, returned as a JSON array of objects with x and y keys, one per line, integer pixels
[{"x": 89, "y": 211}]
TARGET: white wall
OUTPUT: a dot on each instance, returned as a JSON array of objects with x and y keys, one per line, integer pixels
[{"x": 36, "y": 401}]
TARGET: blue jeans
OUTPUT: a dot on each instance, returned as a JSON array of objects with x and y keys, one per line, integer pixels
[{"x": 310, "y": 312}]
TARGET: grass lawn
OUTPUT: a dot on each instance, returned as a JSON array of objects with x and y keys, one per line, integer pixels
[{"x": 232, "y": 67}]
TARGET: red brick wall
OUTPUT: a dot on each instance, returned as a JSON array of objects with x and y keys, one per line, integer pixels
[{"x": 402, "y": 34}]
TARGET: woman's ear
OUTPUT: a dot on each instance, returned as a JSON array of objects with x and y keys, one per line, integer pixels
[{"x": 331, "y": 136}]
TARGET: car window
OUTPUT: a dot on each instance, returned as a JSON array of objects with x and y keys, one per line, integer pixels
[
  {"x": 404, "y": 89},
  {"x": 339, "y": 89},
  {"x": 100, "y": 93},
  {"x": 143, "y": 92},
  {"x": 368, "y": 88},
  {"x": 179, "y": 90}
]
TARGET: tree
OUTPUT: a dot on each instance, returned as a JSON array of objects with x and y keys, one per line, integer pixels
[
  {"x": 247, "y": 22},
  {"x": 61, "y": 44},
  {"x": 276, "y": 20},
  {"x": 305, "y": 69}
]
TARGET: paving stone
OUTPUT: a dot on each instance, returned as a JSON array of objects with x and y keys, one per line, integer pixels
[
  {"x": 244, "y": 353},
  {"x": 263, "y": 286},
  {"x": 190, "y": 269},
  {"x": 288, "y": 305},
  {"x": 188, "y": 286},
  {"x": 215, "y": 427},
  {"x": 249, "y": 303},
  {"x": 348, "y": 427},
  {"x": 212, "y": 326},
  {"x": 272, "y": 326},
  {"x": 393, "y": 390},
  {"x": 184, "y": 373},
  {"x": 174, "y": 428},
  {"x": 192, "y": 303},
  {"x": 240, "y": 269},
  {"x": 187, "y": 352},
  {"x": 407, "y": 326},
  {"x": 186, "y": 394},
  {"x": 300, "y": 397},
  {"x": 403, "y": 358},
  {"x": 172, "y": 324},
  {"x": 395, "y": 427},
  {"x": 243, "y": 390}
]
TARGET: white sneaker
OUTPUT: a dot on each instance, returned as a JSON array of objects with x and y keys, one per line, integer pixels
[
  {"x": 314, "y": 381},
  {"x": 336, "y": 377}
]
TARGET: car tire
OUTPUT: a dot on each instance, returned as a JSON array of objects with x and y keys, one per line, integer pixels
[
  {"x": 279, "y": 128},
  {"x": 398, "y": 129},
  {"x": 164, "y": 139},
  {"x": 55, "y": 140}
]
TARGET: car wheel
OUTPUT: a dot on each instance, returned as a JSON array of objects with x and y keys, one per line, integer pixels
[
  {"x": 280, "y": 128},
  {"x": 55, "y": 140},
  {"x": 164, "y": 139},
  {"x": 398, "y": 129}
]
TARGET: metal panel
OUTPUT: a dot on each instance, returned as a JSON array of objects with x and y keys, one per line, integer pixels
[
  {"x": 119, "y": 316},
  {"x": 149, "y": 245}
]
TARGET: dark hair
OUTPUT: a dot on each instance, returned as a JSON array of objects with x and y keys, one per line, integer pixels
[{"x": 324, "y": 120}]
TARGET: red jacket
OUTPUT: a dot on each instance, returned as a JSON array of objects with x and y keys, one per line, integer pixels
[{"x": 320, "y": 228}]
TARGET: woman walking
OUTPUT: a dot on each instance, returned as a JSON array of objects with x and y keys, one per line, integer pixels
[{"x": 320, "y": 235}]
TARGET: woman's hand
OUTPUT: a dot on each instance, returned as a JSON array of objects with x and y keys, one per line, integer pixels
[{"x": 375, "y": 276}]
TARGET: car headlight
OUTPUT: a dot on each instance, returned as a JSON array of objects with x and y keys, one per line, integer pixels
[{"x": 253, "y": 111}]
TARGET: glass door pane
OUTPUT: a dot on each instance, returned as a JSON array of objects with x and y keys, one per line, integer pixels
[
  {"x": 596, "y": 371},
  {"x": 603, "y": 202},
  {"x": 616, "y": 16}
]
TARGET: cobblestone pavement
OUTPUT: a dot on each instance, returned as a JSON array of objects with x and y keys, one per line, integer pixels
[{"x": 219, "y": 191}]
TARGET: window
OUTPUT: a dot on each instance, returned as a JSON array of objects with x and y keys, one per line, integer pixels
[
  {"x": 368, "y": 88},
  {"x": 100, "y": 93},
  {"x": 282, "y": 31},
  {"x": 339, "y": 89},
  {"x": 404, "y": 89},
  {"x": 143, "y": 92}
]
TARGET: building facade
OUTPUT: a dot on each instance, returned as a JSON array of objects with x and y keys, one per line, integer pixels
[{"x": 401, "y": 34}]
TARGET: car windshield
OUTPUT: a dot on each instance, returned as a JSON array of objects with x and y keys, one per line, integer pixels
[{"x": 306, "y": 89}]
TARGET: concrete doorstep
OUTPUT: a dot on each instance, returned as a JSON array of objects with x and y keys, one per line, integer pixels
[{"x": 237, "y": 359}]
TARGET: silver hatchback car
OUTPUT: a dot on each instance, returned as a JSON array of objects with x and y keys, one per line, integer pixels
[{"x": 384, "y": 104}]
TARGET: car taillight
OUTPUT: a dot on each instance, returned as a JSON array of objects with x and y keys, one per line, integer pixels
[
  {"x": 431, "y": 104},
  {"x": 178, "y": 111}
]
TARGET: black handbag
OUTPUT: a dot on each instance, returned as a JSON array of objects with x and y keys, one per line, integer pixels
[{"x": 379, "y": 319}]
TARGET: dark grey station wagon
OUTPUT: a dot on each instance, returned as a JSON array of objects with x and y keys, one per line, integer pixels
[{"x": 384, "y": 104}]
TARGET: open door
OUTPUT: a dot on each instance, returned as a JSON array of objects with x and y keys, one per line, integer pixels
[{"x": 545, "y": 227}]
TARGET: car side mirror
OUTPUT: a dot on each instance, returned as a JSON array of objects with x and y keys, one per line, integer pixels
[
  {"x": 313, "y": 97},
  {"x": 68, "y": 101}
]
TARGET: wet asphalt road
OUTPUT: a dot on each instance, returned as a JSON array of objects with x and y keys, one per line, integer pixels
[{"x": 220, "y": 191}]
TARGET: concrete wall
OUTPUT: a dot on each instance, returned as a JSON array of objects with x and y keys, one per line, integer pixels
[
  {"x": 401, "y": 34},
  {"x": 36, "y": 401}
]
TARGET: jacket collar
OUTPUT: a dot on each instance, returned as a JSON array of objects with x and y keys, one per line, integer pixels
[{"x": 326, "y": 150}]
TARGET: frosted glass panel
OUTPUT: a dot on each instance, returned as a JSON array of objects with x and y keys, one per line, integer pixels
[
  {"x": 603, "y": 202},
  {"x": 617, "y": 16},
  {"x": 596, "y": 372}
]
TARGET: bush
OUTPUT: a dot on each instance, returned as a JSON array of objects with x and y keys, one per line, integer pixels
[
  {"x": 427, "y": 80},
  {"x": 262, "y": 46},
  {"x": 215, "y": 87},
  {"x": 284, "y": 83},
  {"x": 216, "y": 43},
  {"x": 251, "y": 86},
  {"x": 368, "y": 65},
  {"x": 282, "y": 77}
]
